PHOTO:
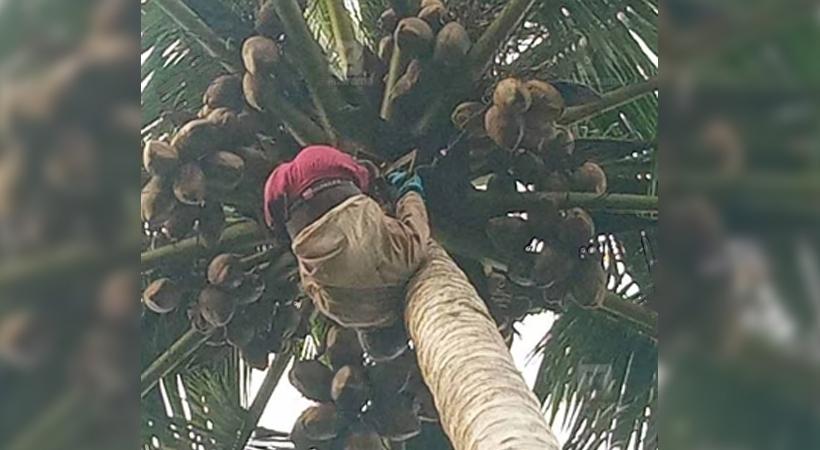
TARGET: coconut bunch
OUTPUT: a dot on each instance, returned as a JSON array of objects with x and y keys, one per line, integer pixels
[
  {"x": 234, "y": 308},
  {"x": 360, "y": 405},
  {"x": 430, "y": 43},
  {"x": 522, "y": 121},
  {"x": 550, "y": 250}
]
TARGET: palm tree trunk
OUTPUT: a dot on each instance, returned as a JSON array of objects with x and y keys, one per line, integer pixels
[{"x": 481, "y": 397}]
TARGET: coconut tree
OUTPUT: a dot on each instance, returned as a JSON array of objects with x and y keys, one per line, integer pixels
[{"x": 328, "y": 81}]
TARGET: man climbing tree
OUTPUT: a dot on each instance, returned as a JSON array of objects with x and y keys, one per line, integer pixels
[{"x": 354, "y": 259}]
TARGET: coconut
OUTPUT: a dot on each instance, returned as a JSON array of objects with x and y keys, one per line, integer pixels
[
  {"x": 553, "y": 182},
  {"x": 452, "y": 45},
  {"x": 240, "y": 332},
  {"x": 409, "y": 80},
  {"x": 190, "y": 185},
  {"x": 162, "y": 296},
  {"x": 469, "y": 116},
  {"x": 552, "y": 266},
  {"x": 224, "y": 92},
  {"x": 576, "y": 230},
  {"x": 386, "y": 45},
  {"x": 156, "y": 202},
  {"x": 226, "y": 271},
  {"x": 414, "y": 37},
  {"x": 509, "y": 234},
  {"x": 249, "y": 124},
  {"x": 256, "y": 90},
  {"x": 588, "y": 284},
  {"x": 223, "y": 171},
  {"x": 256, "y": 354},
  {"x": 159, "y": 158},
  {"x": 391, "y": 377},
  {"x": 547, "y": 103},
  {"x": 350, "y": 389},
  {"x": 504, "y": 128},
  {"x": 320, "y": 422},
  {"x": 557, "y": 153},
  {"x": 510, "y": 95},
  {"x": 384, "y": 344},
  {"x": 590, "y": 177},
  {"x": 260, "y": 55},
  {"x": 257, "y": 164},
  {"x": 435, "y": 15},
  {"x": 211, "y": 224},
  {"x": 227, "y": 121},
  {"x": 181, "y": 222},
  {"x": 396, "y": 418},
  {"x": 501, "y": 184},
  {"x": 388, "y": 21},
  {"x": 197, "y": 138},
  {"x": 251, "y": 290},
  {"x": 363, "y": 439},
  {"x": 302, "y": 442},
  {"x": 342, "y": 347},
  {"x": 312, "y": 379},
  {"x": 216, "y": 306},
  {"x": 537, "y": 134},
  {"x": 528, "y": 167},
  {"x": 267, "y": 21}
]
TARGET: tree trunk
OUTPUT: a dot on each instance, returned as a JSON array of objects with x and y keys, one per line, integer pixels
[{"x": 482, "y": 399}]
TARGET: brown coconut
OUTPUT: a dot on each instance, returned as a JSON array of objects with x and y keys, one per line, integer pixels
[
  {"x": 505, "y": 128},
  {"x": 216, "y": 306},
  {"x": 312, "y": 379},
  {"x": 190, "y": 184},
  {"x": 267, "y": 22},
  {"x": 342, "y": 347},
  {"x": 181, "y": 222},
  {"x": 396, "y": 418},
  {"x": 469, "y": 116},
  {"x": 547, "y": 103},
  {"x": 350, "y": 388},
  {"x": 260, "y": 55},
  {"x": 590, "y": 177},
  {"x": 576, "y": 230},
  {"x": 256, "y": 90},
  {"x": 223, "y": 171},
  {"x": 159, "y": 158},
  {"x": 251, "y": 291},
  {"x": 452, "y": 45},
  {"x": 224, "y": 92},
  {"x": 385, "y": 50},
  {"x": 552, "y": 265},
  {"x": 414, "y": 37},
  {"x": 162, "y": 296},
  {"x": 197, "y": 138},
  {"x": 435, "y": 14},
  {"x": 226, "y": 271},
  {"x": 320, "y": 422},
  {"x": 510, "y": 95},
  {"x": 588, "y": 284},
  {"x": 388, "y": 21},
  {"x": 157, "y": 202}
]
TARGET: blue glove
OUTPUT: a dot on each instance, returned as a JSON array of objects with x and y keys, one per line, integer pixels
[{"x": 405, "y": 183}]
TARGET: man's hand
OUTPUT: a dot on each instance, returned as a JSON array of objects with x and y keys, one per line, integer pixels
[{"x": 406, "y": 183}]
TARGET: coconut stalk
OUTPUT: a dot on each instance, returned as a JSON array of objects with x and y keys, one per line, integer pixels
[
  {"x": 260, "y": 402},
  {"x": 300, "y": 126},
  {"x": 494, "y": 205},
  {"x": 189, "y": 21},
  {"x": 312, "y": 63},
  {"x": 645, "y": 319},
  {"x": 492, "y": 407},
  {"x": 609, "y": 101},
  {"x": 347, "y": 47},
  {"x": 180, "y": 351},
  {"x": 482, "y": 53},
  {"x": 393, "y": 76},
  {"x": 243, "y": 233}
]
